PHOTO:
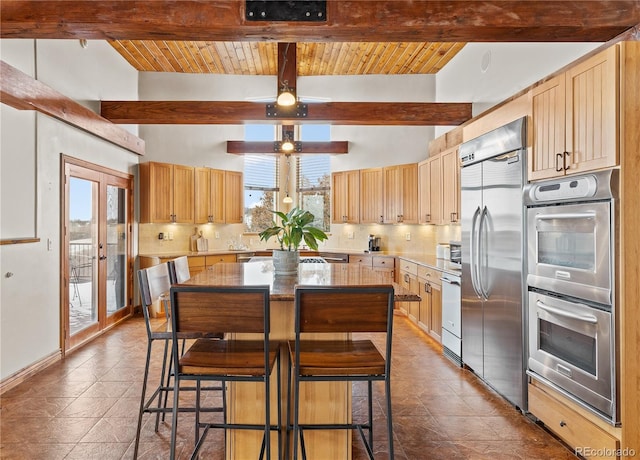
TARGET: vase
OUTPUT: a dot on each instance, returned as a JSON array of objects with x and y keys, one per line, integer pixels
[{"x": 285, "y": 262}]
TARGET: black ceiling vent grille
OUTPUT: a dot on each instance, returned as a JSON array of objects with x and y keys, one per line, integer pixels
[{"x": 279, "y": 10}]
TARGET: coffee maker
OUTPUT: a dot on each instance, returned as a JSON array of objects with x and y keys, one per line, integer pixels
[{"x": 374, "y": 243}]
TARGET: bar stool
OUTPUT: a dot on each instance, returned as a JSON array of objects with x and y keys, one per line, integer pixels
[
  {"x": 154, "y": 284},
  {"x": 233, "y": 310},
  {"x": 349, "y": 309}
]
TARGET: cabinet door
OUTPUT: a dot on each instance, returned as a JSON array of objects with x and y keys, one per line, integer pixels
[
  {"x": 183, "y": 194},
  {"x": 353, "y": 196},
  {"x": 233, "y": 197},
  {"x": 156, "y": 188},
  {"x": 414, "y": 307},
  {"x": 424, "y": 317},
  {"x": 450, "y": 187},
  {"x": 371, "y": 196},
  {"x": 409, "y": 193},
  {"x": 436, "y": 311},
  {"x": 338, "y": 198},
  {"x": 424, "y": 193},
  {"x": 592, "y": 112},
  {"x": 217, "y": 209},
  {"x": 391, "y": 177},
  {"x": 435, "y": 191},
  {"x": 202, "y": 197},
  {"x": 548, "y": 125}
]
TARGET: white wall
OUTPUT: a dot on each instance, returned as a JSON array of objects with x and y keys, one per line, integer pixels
[
  {"x": 488, "y": 73},
  {"x": 30, "y": 299}
]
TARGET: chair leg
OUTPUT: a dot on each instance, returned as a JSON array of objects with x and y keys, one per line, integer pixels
[
  {"x": 142, "y": 400},
  {"x": 174, "y": 419},
  {"x": 387, "y": 391},
  {"x": 296, "y": 406},
  {"x": 370, "y": 408},
  {"x": 165, "y": 392}
]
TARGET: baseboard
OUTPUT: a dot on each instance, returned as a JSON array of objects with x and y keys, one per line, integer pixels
[{"x": 24, "y": 374}]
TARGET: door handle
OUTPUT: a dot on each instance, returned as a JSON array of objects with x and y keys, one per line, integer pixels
[
  {"x": 556, "y": 311},
  {"x": 102, "y": 258},
  {"x": 559, "y": 158},
  {"x": 564, "y": 160},
  {"x": 483, "y": 217},
  {"x": 473, "y": 250}
]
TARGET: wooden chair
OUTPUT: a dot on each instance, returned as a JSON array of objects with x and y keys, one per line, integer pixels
[
  {"x": 350, "y": 309},
  {"x": 179, "y": 270},
  {"x": 154, "y": 285},
  {"x": 232, "y": 310}
]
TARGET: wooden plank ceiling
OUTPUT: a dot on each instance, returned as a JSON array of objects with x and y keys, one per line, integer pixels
[{"x": 314, "y": 59}]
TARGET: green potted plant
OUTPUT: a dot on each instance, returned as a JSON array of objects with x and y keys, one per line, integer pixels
[{"x": 295, "y": 227}]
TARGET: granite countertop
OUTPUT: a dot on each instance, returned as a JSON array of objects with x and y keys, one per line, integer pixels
[
  {"x": 282, "y": 287},
  {"x": 421, "y": 259}
]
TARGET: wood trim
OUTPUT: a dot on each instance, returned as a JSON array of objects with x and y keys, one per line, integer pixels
[
  {"x": 629, "y": 256},
  {"x": 395, "y": 21},
  {"x": 19, "y": 241},
  {"x": 239, "y": 112},
  {"x": 24, "y": 92},
  {"x": 24, "y": 374},
  {"x": 242, "y": 147}
]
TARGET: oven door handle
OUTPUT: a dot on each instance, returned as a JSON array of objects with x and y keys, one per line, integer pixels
[
  {"x": 473, "y": 248},
  {"x": 567, "y": 215},
  {"x": 556, "y": 311}
]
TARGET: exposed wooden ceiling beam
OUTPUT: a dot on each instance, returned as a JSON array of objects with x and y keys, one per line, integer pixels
[
  {"x": 244, "y": 147},
  {"x": 240, "y": 112},
  {"x": 23, "y": 92},
  {"x": 357, "y": 20}
]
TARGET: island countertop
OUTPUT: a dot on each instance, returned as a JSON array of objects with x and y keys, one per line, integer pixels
[{"x": 282, "y": 287}]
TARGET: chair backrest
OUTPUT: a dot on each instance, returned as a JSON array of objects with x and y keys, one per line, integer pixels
[
  {"x": 367, "y": 308},
  {"x": 179, "y": 270},
  {"x": 207, "y": 309}
]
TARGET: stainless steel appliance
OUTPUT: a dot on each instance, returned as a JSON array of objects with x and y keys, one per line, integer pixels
[
  {"x": 455, "y": 254},
  {"x": 572, "y": 347},
  {"x": 492, "y": 177},
  {"x": 570, "y": 235},
  {"x": 571, "y": 279},
  {"x": 451, "y": 318}
]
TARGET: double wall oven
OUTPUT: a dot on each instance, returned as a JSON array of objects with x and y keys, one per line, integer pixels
[{"x": 571, "y": 225}]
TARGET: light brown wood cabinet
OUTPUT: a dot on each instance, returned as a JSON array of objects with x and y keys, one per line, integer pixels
[
  {"x": 166, "y": 193},
  {"x": 430, "y": 190},
  {"x": 574, "y": 119},
  {"x": 430, "y": 291},
  {"x": 408, "y": 279},
  {"x": 401, "y": 194},
  {"x": 450, "y": 186},
  {"x": 371, "y": 196},
  {"x": 209, "y": 196},
  {"x": 233, "y": 197},
  {"x": 384, "y": 266},
  {"x": 345, "y": 197}
]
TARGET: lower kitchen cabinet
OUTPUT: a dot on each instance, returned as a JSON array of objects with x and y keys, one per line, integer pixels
[
  {"x": 589, "y": 436},
  {"x": 430, "y": 291},
  {"x": 409, "y": 280}
]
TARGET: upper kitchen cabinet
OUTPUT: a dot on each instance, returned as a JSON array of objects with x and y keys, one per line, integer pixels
[
  {"x": 574, "y": 119},
  {"x": 430, "y": 190},
  {"x": 401, "y": 194},
  {"x": 450, "y": 186},
  {"x": 345, "y": 197},
  {"x": 209, "y": 196},
  {"x": 371, "y": 196},
  {"x": 166, "y": 193},
  {"x": 233, "y": 197}
]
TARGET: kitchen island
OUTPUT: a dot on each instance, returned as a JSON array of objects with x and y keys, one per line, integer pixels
[{"x": 326, "y": 402}]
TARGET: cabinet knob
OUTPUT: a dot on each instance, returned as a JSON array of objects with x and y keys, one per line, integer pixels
[{"x": 562, "y": 423}]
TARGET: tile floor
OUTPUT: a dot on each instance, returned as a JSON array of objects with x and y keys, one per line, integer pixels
[{"x": 86, "y": 407}]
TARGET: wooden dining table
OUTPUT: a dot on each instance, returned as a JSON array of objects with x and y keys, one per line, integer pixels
[{"x": 321, "y": 402}]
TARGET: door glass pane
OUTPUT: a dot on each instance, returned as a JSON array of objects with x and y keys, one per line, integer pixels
[
  {"x": 83, "y": 244},
  {"x": 569, "y": 345},
  {"x": 116, "y": 248}
]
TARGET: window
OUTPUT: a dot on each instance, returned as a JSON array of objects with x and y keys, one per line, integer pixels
[
  {"x": 260, "y": 181},
  {"x": 313, "y": 178}
]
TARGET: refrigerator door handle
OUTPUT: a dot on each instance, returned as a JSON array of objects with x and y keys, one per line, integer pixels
[
  {"x": 473, "y": 249},
  {"x": 482, "y": 250}
]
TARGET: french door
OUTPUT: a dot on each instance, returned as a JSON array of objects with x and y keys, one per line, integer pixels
[{"x": 96, "y": 252}]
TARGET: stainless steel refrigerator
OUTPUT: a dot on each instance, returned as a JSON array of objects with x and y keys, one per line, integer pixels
[{"x": 492, "y": 176}]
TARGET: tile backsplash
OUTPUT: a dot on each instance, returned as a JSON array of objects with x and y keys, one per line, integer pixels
[{"x": 416, "y": 239}]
